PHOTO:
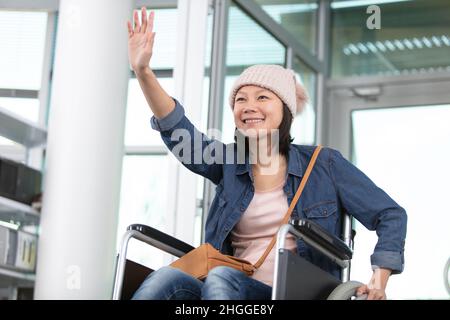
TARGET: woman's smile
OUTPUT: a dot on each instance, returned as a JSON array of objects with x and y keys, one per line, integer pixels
[{"x": 253, "y": 121}]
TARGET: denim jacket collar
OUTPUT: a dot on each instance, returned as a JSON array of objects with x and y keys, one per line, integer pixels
[{"x": 294, "y": 164}]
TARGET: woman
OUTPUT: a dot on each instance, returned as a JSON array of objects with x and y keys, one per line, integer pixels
[{"x": 254, "y": 189}]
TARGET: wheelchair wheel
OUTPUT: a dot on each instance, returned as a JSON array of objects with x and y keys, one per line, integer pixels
[
  {"x": 346, "y": 291},
  {"x": 447, "y": 276}
]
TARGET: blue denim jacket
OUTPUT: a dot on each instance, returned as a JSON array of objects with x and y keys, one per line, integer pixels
[{"x": 334, "y": 186}]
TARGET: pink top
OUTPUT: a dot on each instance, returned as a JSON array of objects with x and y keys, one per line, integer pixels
[{"x": 254, "y": 231}]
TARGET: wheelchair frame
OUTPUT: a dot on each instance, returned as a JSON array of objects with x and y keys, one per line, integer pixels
[{"x": 178, "y": 248}]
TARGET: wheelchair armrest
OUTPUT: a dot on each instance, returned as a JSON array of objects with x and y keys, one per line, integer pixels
[
  {"x": 323, "y": 238},
  {"x": 161, "y": 237},
  {"x": 152, "y": 237}
]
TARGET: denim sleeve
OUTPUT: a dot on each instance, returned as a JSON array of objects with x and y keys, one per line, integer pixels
[
  {"x": 375, "y": 209},
  {"x": 192, "y": 148}
]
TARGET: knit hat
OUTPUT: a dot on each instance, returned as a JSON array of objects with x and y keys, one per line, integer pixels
[{"x": 277, "y": 79}]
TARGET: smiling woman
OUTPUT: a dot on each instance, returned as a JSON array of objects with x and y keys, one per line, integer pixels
[{"x": 264, "y": 100}]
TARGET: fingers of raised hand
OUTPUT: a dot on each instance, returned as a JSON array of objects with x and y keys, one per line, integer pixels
[
  {"x": 144, "y": 19},
  {"x": 151, "y": 18},
  {"x": 130, "y": 29},
  {"x": 137, "y": 24},
  {"x": 150, "y": 37},
  {"x": 147, "y": 23}
]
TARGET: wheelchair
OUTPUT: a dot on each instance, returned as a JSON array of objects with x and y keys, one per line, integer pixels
[
  {"x": 447, "y": 276},
  {"x": 295, "y": 278}
]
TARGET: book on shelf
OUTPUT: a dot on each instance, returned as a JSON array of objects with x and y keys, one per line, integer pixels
[
  {"x": 19, "y": 182},
  {"x": 17, "y": 249}
]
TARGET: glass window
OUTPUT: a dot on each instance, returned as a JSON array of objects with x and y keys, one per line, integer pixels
[
  {"x": 144, "y": 200},
  {"x": 7, "y": 142},
  {"x": 299, "y": 17},
  {"x": 409, "y": 160},
  {"x": 304, "y": 125},
  {"x": 13, "y": 151},
  {"x": 23, "y": 107},
  {"x": 248, "y": 44},
  {"x": 408, "y": 41},
  {"x": 22, "y": 38},
  {"x": 138, "y": 131},
  {"x": 165, "y": 27}
]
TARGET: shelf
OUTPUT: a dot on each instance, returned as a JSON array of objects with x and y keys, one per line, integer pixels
[
  {"x": 10, "y": 276},
  {"x": 11, "y": 210},
  {"x": 20, "y": 130}
]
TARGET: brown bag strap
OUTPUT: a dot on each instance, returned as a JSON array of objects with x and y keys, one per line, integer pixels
[{"x": 293, "y": 203}]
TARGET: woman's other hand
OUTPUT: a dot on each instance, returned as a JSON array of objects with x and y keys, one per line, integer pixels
[
  {"x": 375, "y": 290},
  {"x": 372, "y": 293}
]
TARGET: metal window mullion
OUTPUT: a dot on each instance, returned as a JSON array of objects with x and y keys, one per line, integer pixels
[
  {"x": 323, "y": 40},
  {"x": 35, "y": 156},
  {"x": 44, "y": 92},
  {"x": 159, "y": 73},
  {"x": 217, "y": 83},
  {"x": 156, "y": 3},
  {"x": 218, "y": 63},
  {"x": 289, "y": 58},
  {"x": 31, "y": 5},
  {"x": 350, "y": 82},
  {"x": 145, "y": 150},
  {"x": 53, "y": 5},
  {"x": 19, "y": 93}
]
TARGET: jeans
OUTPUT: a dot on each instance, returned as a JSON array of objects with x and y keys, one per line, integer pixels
[{"x": 222, "y": 283}]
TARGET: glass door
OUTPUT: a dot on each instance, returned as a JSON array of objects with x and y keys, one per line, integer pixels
[{"x": 400, "y": 138}]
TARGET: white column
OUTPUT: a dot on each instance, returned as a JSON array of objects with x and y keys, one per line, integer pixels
[
  {"x": 188, "y": 76},
  {"x": 76, "y": 253}
]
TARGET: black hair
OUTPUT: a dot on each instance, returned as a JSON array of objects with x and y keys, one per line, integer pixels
[{"x": 284, "y": 133}]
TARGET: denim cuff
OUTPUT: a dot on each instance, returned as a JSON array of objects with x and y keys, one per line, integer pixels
[
  {"x": 169, "y": 121},
  {"x": 388, "y": 259}
]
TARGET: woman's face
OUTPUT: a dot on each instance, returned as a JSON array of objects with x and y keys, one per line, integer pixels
[{"x": 257, "y": 111}]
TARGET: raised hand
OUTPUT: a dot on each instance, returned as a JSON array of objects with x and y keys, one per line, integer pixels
[{"x": 140, "y": 40}]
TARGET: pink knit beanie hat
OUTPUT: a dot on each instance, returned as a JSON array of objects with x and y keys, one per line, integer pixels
[{"x": 277, "y": 79}]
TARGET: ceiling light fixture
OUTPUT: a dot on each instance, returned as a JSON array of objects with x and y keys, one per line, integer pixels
[{"x": 396, "y": 44}]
